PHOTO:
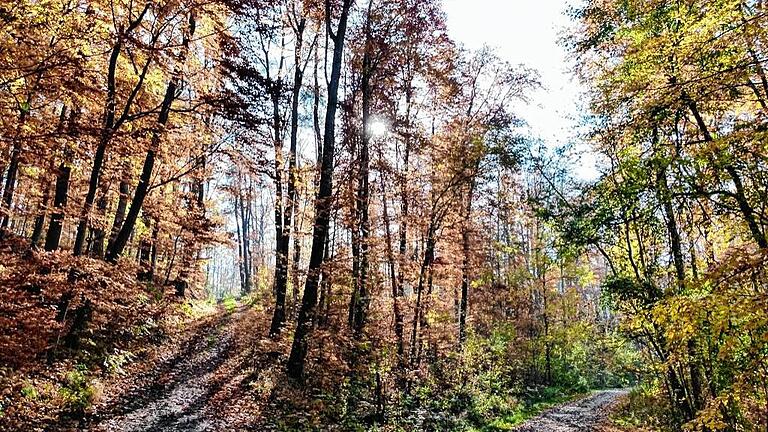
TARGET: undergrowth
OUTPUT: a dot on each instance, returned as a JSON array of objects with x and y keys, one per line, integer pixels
[{"x": 68, "y": 323}]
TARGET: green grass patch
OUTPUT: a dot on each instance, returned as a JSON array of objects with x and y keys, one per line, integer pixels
[
  {"x": 229, "y": 303},
  {"x": 198, "y": 308}
]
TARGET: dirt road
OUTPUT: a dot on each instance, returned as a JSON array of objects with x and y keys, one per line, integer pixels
[
  {"x": 175, "y": 394},
  {"x": 582, "y": 415}
]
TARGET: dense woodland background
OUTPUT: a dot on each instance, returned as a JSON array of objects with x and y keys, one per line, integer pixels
[{"x": 412, "y": 258}]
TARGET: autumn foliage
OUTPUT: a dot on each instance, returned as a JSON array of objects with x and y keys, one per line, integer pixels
[{"x": 389, "y": 245}]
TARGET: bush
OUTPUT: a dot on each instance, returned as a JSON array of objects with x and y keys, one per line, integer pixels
[
  {"x": 114, "y": 363},
  {"x": 645, "y": 407}
]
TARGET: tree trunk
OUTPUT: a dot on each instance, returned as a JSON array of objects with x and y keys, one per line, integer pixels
[
  {"x": 154, "y": 244},
  {"x": 145, "y": 252},
  {"x": 240, "y": 263},
  {"x": 418, "y": 314},
  {"x": 245, "y": 223},
  {"x": 281, "y": 255},
  {"x": 360, "y": 299},
  {"x": 306, "y": 317},
  {"x": 3, "y": 165},
  {"x": 404, "y": 199},
  {"x": 675, "y": 243},
  {"x": 284, "y": 240},
  {"x": 196, "y": 210},
  {"x": 746, "y": 209},
  {"x": 325, "y": 277},
  {"x": 316, "y": 121},
  {"x": 98, "y": 159},
  {"x": 108, "y": 129},
  {"x": 97, "y": 233},
  {"x": 10, "y": 179},
  {"x": 37, "y": 231},
  {"x": 53, "y": 237},
  {"x": 545, "y": 318},
  {"x": 465, "y": 247},
  {"x": 124, "y": 189},
  {"x": 296, "y": 261},
  {"x": 665, "y": 197},
  {"x": 397, "y": 291},
  {"x": 121, "y": 240}
]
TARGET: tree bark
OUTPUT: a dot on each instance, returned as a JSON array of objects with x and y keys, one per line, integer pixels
[
  {"x": 53, "y": 237},
  {"x": 37, "y": 231},
  {"x": 281, "y": 255},
  {"x": 122, "y": 205},
  {"x": 97, "y": 233},
  {"x": 93, "y": 183},
  {"x": 107, "y": 131},
  {"x": 748, "y": 213},
  {"x": 240, "y": 263},
  {"x": 154, "y": 244},
  {"x": 245, "y": 223},
  {"x": 397, "y": 291},
  {"x": 105, "y": 138},
  {"x": 465, "y": 247},
  {"x": 145, "y": 251},
  {"x": 665, "y": 197},
  {"x": 296, "y": 261},
  {"x": 3, "y": 165},
  {"x": 419, "y": 318},
  {"x": 10, "y": 179},
  {"x": 404, "y": 199}
]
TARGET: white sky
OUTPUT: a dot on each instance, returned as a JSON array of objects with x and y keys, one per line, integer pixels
[{"x": 527, "y": 32}]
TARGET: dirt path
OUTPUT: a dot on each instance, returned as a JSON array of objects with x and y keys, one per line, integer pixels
[
  {"x": 175, "y": 394},
  {"x": 582, "y": 415}
]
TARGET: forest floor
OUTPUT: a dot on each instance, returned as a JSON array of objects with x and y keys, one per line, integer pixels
[{"x": 586, "y": 414}]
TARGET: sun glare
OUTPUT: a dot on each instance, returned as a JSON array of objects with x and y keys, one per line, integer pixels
[{"x": 377, "y": 128}]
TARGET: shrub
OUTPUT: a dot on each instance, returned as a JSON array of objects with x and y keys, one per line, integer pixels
[{"x": 77, "y": 391}]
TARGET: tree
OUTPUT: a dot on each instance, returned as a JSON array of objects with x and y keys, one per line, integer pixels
[
  {"x": 667, "y": 84},
  {"x": 323, "y": 200}
]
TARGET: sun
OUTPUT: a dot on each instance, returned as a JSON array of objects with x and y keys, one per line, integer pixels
[{"x": 377, "y": 128}]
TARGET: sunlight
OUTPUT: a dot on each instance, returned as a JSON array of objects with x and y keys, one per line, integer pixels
[{"x": 377, "y": 128}]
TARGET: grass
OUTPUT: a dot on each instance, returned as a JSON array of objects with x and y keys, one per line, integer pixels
[
  {"x": 198, "y": 308},
  {"x": 229, "y": 303}
]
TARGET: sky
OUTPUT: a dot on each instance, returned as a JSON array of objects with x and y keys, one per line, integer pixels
[{"x": 527, "y": 32}]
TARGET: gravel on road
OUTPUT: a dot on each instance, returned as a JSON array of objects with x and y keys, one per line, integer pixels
[{"x": 585, "y": 414}]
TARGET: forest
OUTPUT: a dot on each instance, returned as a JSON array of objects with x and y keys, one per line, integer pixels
[{"x": 300, "y": 215}]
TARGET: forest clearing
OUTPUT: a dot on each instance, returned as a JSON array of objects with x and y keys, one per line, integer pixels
[{"x": 358, "y": 215}]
